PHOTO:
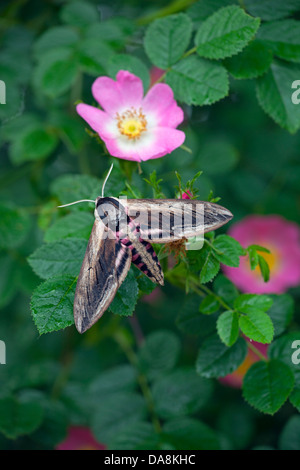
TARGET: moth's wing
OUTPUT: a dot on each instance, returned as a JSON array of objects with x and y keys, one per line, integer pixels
[
  {"x": 104, "y": 268},
  {"x": 145, "y": 259},
  {"x": 165, "y": 220}
]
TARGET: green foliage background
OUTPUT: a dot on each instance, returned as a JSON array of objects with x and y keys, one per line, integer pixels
[{"x": 147, "y": 380}]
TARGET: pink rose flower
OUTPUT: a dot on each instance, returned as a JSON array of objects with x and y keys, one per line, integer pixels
[
  {"x": 187, "y": 195},
  {"x": 235, "y": 379},
  {"x": 132, "y": 126},
  {"x": 282, "y": 238},
  {"x": 80, "y": 438}
]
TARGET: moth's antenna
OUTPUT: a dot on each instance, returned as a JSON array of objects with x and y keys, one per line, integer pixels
[
  {"x": 107, "y": 176},
  {"x": 76, "y": 202}
]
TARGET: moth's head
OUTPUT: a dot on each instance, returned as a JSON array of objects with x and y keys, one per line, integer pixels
[{"x": 111, "y": 212}]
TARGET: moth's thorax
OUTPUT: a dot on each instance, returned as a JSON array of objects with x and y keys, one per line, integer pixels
[{"x": 111, "y": 213}]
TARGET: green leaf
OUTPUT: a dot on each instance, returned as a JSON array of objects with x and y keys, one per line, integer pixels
[
  {"x": 191, "y": 322},
  {"x": 70, "y": 188},
  {"x": 253, "y": 257},
  {"x": 79, "y": 14},
  {"x": 267, "y": 385},
  {"x": 209, "y": 305},
  {"x": 179, "y": 393},
  {"x": 146, "y": 286},
  {"x": 217, "y": 157},
  {"x": 225, "y": 289},
  {"x": 70, "y": 131},
  {"x": 202, "y": 9},
  {"x": 156, "y": 365},
  {"x": 126, "y": 297},
  {"x": 94, "y": 56},
  {"x": 227, "y": 250},
  {"x": 14, "y": 227},
  {"x": 115, "y": 31},
  {"x": 281, "y": 312},
  {"x": 9, "y": 276},
  {"x": 167, "y": 38},
  {"x": 228, "y": 327},
  {"x": 257, "y": 260},
  {"x": 215, "y": 359},
  {"x": 264, "y": 268},
  {"x": 210, "y": 269},
  {"x": 282, "y": 349},
  {"x": 56, "y": 72},
  {"x": 138, "y": 436},
  {"x": 115, "y": 413},
  {"x": 52, "y": 304},
  {"x": 257, "y": 325},
  {"x": 59, "y": 257},
  {"x": 283, "y": 38},
  {"x": 190, "y": 434},
  {"x": 17, "y": 125},
  {"x": 210, "y": 266},
  {"x": 237, "y": 422},
  {"x": 17, "y": 418},
  {"x": 34, "y": 143},
  {"x": 73, "y": 225},
  {"x": 197, "y": 81},
  {"x": 261, "y": 302},
  {"x": 252, "y": 62},
  {"x": 271, "y": 9},
  {"x": 56, "y": 37},
  {"x": 290, "y": 436},
  {"x": 123, "y": 377},
  {"x": 274, "y": 95},
  {"x": 132, "y": 64},
  {"x": 225, "y": 33},
  {"x": 295, "y": 398},
  {"x": 54, "y": 427}
]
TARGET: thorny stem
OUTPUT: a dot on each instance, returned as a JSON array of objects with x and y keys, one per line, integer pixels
[
  {"x": 219, "y": 299},
  {"x": 174, "y": 7},
  {"x": 189, "y": 52},
  {"x": 142, "y": 380},
  {"x": 256, "y": 351},
  {"x": 213, "y": 247},
  {"x": 136, "y": 328}
]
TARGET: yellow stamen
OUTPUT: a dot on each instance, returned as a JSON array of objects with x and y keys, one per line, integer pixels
[{"x": 132, "y": 123}]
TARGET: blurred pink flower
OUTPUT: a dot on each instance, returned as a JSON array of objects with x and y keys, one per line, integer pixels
[
  {"x": 282, "y": 238},
  {"x": 155, "y": 74},
  {"x": 80, "y": 438},
  {"x": 134, "y": 127},
  {"x": 235, "y": 379},
  {"x": 154, "y": 296}
]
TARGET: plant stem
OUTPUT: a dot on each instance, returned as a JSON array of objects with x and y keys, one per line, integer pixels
[
  {"x": 173, "y": 7},
  {"x": 219, "y": 299},
  {"x": 189, "y": 52},
  {"x": 124, "y": 344},
  {"x": 256, "y": 351}
]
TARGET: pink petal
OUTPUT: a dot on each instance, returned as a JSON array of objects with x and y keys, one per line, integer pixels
[
  {"x": 169, "y": 139},
  {"x": 99, "y": 121},
  {"x": 131, "y": 89},
  {"x": 152, "y": 144},
  {"x": 160, "y": 103},
  {"x": 117, "y": 96}
]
